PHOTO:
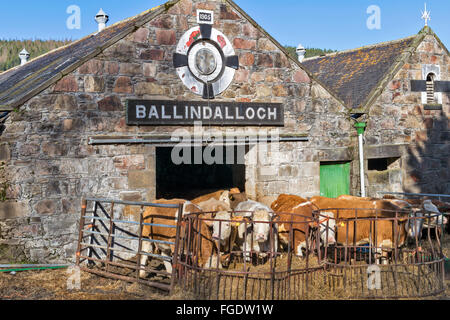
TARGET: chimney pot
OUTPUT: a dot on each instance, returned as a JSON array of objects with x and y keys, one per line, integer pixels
[
  {"x": 102, "y": 18},
  {"x": 301, "y": 51},
  {"x": 24, "y": 56}
]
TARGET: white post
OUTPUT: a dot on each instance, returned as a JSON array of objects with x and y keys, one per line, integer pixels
[
  {"x": 361, "y": 165},
  {"x": 360, "y": 126}
]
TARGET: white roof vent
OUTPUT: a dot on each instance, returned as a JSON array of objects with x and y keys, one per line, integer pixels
[
  {"x": 24, "y": 56},
  {"x": 101, "y": 18},
  {"x": 301, "y": 51}
]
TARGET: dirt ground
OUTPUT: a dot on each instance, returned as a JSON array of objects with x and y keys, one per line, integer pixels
[{"x": 52, "y": 285}]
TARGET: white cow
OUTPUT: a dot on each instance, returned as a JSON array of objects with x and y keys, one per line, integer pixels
[{"x": 256, "y": 229}]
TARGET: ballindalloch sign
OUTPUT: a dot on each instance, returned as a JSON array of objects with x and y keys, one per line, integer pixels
[{"x": 186, "y": 113}]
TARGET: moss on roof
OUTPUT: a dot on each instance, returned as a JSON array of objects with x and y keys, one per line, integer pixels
[{"x": 353, "y": 74}]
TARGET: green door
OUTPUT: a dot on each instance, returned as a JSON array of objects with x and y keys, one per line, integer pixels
[{"x": 334, "y": 179}]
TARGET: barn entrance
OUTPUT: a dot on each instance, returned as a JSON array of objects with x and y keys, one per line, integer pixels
[{"x": 188, "y": 181}]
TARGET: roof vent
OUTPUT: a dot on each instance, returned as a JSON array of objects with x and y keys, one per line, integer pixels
[
  {"x": 101, "y": 18},
  {"x": 301, "y": 52},
  {"x": 24, "y": 56}
]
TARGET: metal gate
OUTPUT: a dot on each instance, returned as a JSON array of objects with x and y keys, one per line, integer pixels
[
  {"x": 110, "y": 245},
  {"x": 324, "y": 272}
]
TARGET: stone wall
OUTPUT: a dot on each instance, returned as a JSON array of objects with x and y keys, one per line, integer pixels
[
  {"x": 398, "y": 117},
  {"x": 51, "y": 165}
]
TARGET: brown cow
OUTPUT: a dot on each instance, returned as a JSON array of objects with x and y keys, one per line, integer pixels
[
  {"x": 168, "y": 216},
  {"x": 215, "y": 195},
  {"x": 236, "y": 199},
  {"x": 285, "y": 202},
  {"x": 367, "y": 209},
  {"x": 296, "y": 213},
  {"x": 349, "y": 197},
  {"x": 218, "y": 195}
]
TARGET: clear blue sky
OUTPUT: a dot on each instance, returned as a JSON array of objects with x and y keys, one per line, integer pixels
[{"x": 330, "y": 24}]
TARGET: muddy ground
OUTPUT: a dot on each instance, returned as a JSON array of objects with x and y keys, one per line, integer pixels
[{"x": 52, "y": 285}]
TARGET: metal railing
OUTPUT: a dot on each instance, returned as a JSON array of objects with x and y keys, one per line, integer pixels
[
  {"x": 106, "y": 243},
  {"x": 325, "y": 271},
  {"x": 440, "y": 197},
  {"x": 294, "y": 262}
]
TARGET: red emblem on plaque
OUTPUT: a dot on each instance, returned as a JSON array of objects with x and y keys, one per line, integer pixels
[
  {"x": 221, "y": 41},
  {"x": 193, "y": 37}
]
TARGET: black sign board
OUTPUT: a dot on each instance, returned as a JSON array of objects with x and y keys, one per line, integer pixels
[{"x": 174, "y": 113}]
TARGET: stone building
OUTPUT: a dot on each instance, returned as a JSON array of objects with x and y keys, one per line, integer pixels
[{"x": 98, "y": 118}]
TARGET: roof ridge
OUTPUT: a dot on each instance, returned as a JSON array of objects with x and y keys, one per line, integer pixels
[
  {"x": 90, "y": 46},
  {"x": 84, "y": 38},
  {"x": 283, "y": 49},
  {"x": 379, "y": 44}
]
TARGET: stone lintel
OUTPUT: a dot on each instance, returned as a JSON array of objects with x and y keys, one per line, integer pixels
[{"x": 384, "y": 151}]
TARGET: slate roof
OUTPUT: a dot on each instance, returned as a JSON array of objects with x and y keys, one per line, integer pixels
[
  {"x": 353, "y": 74},
  {"x": 19, "y": 84}
]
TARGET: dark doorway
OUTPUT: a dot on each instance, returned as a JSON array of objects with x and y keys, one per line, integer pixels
[{"x": 188, "y": 181}]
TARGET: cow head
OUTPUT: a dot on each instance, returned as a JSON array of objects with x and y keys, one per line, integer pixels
[
  {"x": 327, "y": 224},
  {"x": 414, "y": 225},
  {"x": 261, "y": 228},
  {"x": 221, "y": 229},
  {"x": 235, "y": 198},
  {"x": 437, "y": 217},
  {"x": 225, "y": 197}
]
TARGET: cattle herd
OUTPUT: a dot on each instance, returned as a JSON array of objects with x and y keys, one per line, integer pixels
[{"x": 229, "y": 222}]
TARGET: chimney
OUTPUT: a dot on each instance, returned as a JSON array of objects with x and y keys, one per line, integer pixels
[
  {"x": 24, "y": 56},
  {"x": 301, "y": 52},
  {"x": 101, "y": 18}
]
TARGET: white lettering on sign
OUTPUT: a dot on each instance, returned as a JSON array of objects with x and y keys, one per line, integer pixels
[
  {"x": 205, "y": 17},
  {"x": 250, "y": 113},
  {"x": 218, "y": 113},
  {"x": 238, "y": 117},
  {"x": 261, "y": 113},
  {"x": 227, "y": 115},
  {"x": 164, "y": 113},
  {"x": 197, "y": 112},
  {"x": 153, "y": 113},
  {"x": 185, "y": 113},
  {"x": 207, "y": 113},
  {"x": 140, "y": 112},
  {"x": 175, "y": 116},
  {"x": 272, "y": 114}
]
